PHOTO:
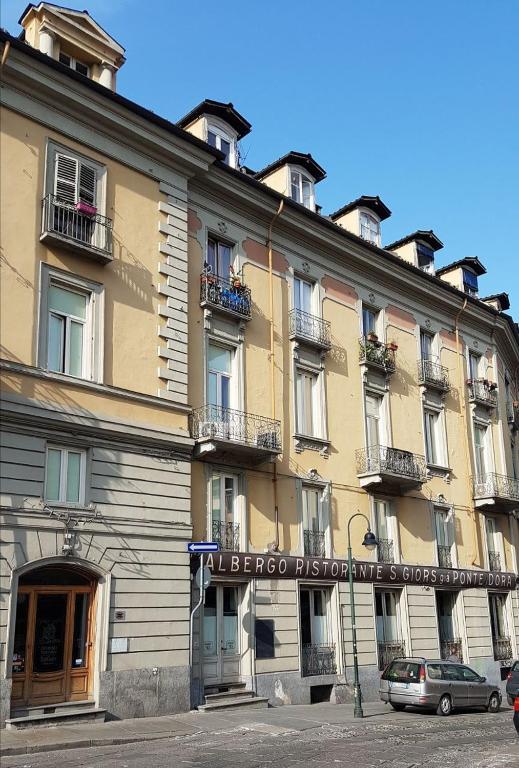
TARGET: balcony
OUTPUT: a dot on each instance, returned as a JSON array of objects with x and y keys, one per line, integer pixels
[
  {"x": 498, "y": 492},
  {"x": 227, "y": 534},
  {"x": 389, "y": 651},
  {"x": 376, "y": 355},
  {"x": 309, "y": 328},
  {"x": 76, "y": 227},
  {"x": 314, "y": 543},
  {"x": 319, "y": 660},
  {"x": 433, "y": 375},
  {"x": 229, "y": 297},
  {"x": 444, "y": 556},
  {"x": 390, "y": 468},
  {"x": 228, "y": 434},
  {"x": 385, "y": 551},
  {"x": 512, "y": 413},
  {"x": 494, "y": 561},
  {"x": 451, "y": 650},
  {"x": 482, "y": 392},
  {"x": 502, "y": 649}
]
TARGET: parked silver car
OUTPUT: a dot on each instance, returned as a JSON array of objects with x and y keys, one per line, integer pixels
[{"x": 436, "y": 684}]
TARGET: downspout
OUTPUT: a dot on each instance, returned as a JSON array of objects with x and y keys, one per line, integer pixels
[{"x": 275, "y": 545}]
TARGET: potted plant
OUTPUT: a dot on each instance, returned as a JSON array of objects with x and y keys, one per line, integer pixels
[
  {"x": 492, "y": 385},
  {"x": 469, "y": 382},
  {"x": 372, "y": 337},
  {"x": 86, "y": 208},
  {"x": 235, "y": 279},
  {"x": 393, "y": 346}
]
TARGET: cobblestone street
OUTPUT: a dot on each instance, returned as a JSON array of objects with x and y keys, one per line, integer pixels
[{"x": 403, "y": 740}]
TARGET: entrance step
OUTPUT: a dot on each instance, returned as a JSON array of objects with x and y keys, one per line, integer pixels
[
  {"x": 66, "y": 713},
  {"x": 237, "y": 697}
]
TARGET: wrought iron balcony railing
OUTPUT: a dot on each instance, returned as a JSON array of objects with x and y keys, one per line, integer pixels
[
  {"x": 451, "y": 649},
  {"x": 376, "y": 354},
  {"x": 494, "y": 561},
  {"x": 385, "y": 551},
  {"x": 225, "y": 294},
  {"x": 502, "y": 648},
  {"x": 482, "y": 392},
  {"x": 389, "y": 651},
  {"x": 319, "y": 660},
  {"x": 227, "y": 534},
  {"x": 433, "y": 374},
  {"x": 444, "y": 556},
  {"x": 380, "y": 458},
  {"x": 73, "y": 226},
  {"x": 314, "y": 543},
  {"x": 496, "y": 486},
  {"x": 228, "y": 424},
  {"x": 512, "y": 413},
  {"x": 311, "y": 328}
]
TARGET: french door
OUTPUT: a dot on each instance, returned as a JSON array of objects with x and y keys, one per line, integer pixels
[{"x": 221, "y": 635}]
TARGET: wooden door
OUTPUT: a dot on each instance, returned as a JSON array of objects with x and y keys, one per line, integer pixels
[{"x": 52, "y": 659}]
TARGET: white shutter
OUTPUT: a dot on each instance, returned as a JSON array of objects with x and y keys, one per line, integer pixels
[
  {"x": 87, "y": 184},
  {"x": 65, "y": 177}
]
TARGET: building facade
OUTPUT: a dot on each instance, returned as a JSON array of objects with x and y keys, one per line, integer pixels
[{"x": 192, "y": 349}]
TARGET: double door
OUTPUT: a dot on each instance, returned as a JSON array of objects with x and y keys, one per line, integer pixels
[
  {"x": 221, "y": 634},
  {"x": 52, "y": 655}
]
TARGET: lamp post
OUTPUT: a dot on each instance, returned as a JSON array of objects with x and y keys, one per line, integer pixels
[{"x": 370, "y": 542}]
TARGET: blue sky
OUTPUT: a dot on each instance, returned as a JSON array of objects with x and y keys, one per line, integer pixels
[{"x": 414, "y": 101}]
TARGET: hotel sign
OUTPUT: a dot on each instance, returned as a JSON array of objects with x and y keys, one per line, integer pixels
[{"x": 281, "y": 567}]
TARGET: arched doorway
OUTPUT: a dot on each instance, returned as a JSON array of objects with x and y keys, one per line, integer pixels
[{"x": 54, "y": 636}]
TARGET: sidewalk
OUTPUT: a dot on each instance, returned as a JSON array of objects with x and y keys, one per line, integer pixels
[{"x": 273, "y": 720}]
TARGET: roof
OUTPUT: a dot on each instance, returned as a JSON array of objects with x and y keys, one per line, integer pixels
[
  {"x": 425, "y": 235},
  {"x": 72, "y": 12},
  {"x": 225, "y": 112},
  {"x": 295, "y": 158},
  {"x": 502, "y": 298},
  {"x": 472, "y": 262},
  {"x": 374, "y": 204}
]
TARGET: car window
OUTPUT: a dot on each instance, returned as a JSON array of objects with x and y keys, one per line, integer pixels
[
  {"x": 451, "y": 672},
  {"x": 434, "y": 671},
  {"x": 402, "y": 672},
  {"x": 468, "y": 674}
]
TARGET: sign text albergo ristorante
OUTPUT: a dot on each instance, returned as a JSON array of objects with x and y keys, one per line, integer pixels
[{"x": 281, "y": 567}]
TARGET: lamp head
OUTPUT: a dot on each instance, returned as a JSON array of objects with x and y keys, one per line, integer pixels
[{"x": 370, "y": 541}]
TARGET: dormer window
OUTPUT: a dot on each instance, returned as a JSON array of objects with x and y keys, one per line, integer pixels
[
  {"x": 369, "y": 228},
  {"x": 302, "y": 189},
  {"x": 79, "y": 66},
  {"x": 470, "y": 282},
  {"x": 425, "y": 256},
  {"x": 223, "y": 141}
]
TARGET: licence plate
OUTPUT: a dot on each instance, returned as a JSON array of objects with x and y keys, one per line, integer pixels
[{"x": 400, "y": 685}]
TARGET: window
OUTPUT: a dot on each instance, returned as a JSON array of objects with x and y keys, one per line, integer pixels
[
  {"x": 70, "y": 338},
  {"x": 370, "y": 228},
  {"x": 217, "y": 138},
  {"x": 425, "y": 256},
  {"x": 75, "y": 180},
  {"x": 444, "y": 537},
  {"x": 314, "y": 539},
  {"x": 65, "y": 475},
  {"x": 446, "y": 612},
  {"x": 79, "y": 66},
  {"x": 369, "y": 321},
  {"x": 302, "y": 189},
  {"x": 219, "y": 258},
  {"x": 373, "y": 420},
  {"x": 307, "y": 397},
  {"x": 493, "y": 537},
  {"x": 303, "y": 292},
  {"x": 480, "y": 451},
  {"x": 470, "y": 282},
  {"x": 474, "y": 365},
  {"x": 498, "y": 622},
  {"x": 384, "y": 531},
  {"x": 426, "y": 345},
  {"x": 219, "y": 372},
  {"x": 433, "y": 437},
  {"x": 224, "y": 512},
  {"x": 314, "y": 616}
]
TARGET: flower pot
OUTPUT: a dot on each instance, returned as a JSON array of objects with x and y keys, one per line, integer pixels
[
  {"x": 372, "y": 337},
  {"x": 86, "y": 209}
]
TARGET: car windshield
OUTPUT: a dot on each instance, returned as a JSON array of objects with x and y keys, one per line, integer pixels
[{"x": 402, "y": 672}]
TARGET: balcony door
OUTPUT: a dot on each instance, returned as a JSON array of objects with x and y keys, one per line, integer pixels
[
  {"x": 221, "y": 634},
  {"x": 494, "y": 549},
  {"x": 481, "y": 457},
  {"x": 389, "y": 633},
  {"x": 220, "y": 392},
  {"x": 449, "y": 636},
  {"x": 303, "y": 295},
  {"x": 219, "y": 257},
  {"x": 384, "y": 527},
  {"x": 444, "y": 537},
  {"x": 225, "y": 528},
  {"x": 499, "y": 624},
  {"x": 313, "y": 522},
  {"x": 317, "y": 649}
]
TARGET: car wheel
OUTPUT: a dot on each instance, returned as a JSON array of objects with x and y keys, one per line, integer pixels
[
  {"x": 397, "y": 707},
  {"x": 444, "y": 706},
  {"x": 493, "y": 703}
]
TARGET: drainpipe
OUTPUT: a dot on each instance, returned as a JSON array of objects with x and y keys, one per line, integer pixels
[{"x": 275, "y": 546}]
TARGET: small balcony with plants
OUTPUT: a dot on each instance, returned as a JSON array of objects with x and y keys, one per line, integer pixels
[
  {"x": 433, "y": 375},
  {"x": 376, "y": 355},
  {"x": 482, "y": 392},
  {"x": 228, "y": 296},
  {"x": 497, "y": 492},
  {"x": 392, "y": 468},
  {"x": 226, "y": 434},
  {"x": 309, "y": 329},
  {"x": 77, "y": 227}
]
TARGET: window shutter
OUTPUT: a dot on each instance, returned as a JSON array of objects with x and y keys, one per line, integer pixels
[
  {"x": 65, "y": 177},
  {"x": 87, "y": 184}
]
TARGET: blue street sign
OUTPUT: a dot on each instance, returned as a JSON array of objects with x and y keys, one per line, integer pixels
[{"x": 203, "y": 546}]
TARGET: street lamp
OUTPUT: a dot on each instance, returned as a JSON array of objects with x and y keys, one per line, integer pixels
[{"x": 370, "y": 542}]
